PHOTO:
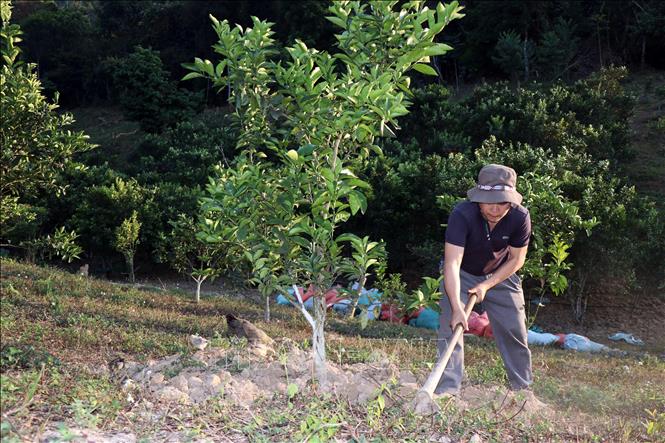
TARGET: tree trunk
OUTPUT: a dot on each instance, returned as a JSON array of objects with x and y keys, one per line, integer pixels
[
  {"x": 130, "y": 266},
  {"x": 361, "y": 285},
  {"x": 198, "y": 288},
  {"x": 319, "y": 340},
  {"x": 266, "y": 313},
  {"x": 644, "y": 50},
  {"x": 525, "y": 57}
]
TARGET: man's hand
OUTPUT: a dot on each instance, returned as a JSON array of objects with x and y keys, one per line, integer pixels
[
  {"x": 458, "y": 317},
  {"x": 480, "y": 291}
]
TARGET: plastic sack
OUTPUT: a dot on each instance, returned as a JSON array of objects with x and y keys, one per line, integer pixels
[
  {"x": 478, "y": 323},
  {"x": 628, "y": 338},
  {"x": 541, "y": 338},
  {"x": 428, "y": 318},
  {"x": 583, "y": 344}
]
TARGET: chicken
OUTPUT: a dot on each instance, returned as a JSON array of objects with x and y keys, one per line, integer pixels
[{"x": 243, "y": 328}]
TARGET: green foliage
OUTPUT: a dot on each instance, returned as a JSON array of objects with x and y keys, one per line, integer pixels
[
  {"x": 426, "y": 296},
  {"x": 557, "y": 49},
  {"x": 189, "y": 255},
  {"x": 366, "y": 255},
  {"x": 127, "y": 240},
  {"x": 513, "y": 54},
  {"x": 19, "y": 356},
  {"x": 146, "y": 93},
  {"x": 61, "y": 244},
  {"x": 186, "y": 153},
  {"x": 63, "y": 42},
  {"x": 105, "y": 206},
  {"x": 36, "y": 146}
]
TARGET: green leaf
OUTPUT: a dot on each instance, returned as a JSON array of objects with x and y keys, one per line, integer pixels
[
  {"x": 291, "y": 390},
  {"x": 306, "y": 149},
  {"x": 347, "y": 237},
  {"x": 338, "y": 21},
  {"x": 191, "y": 75},
  {"x": 425, "y": 69},
  {"x": 364, "y": 318},
  {"x": 354, "y": 203}
]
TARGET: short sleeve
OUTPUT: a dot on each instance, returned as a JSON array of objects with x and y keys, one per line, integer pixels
[
  {"x": 457, "y": 229},
  {"x": 522, "y": 233}
]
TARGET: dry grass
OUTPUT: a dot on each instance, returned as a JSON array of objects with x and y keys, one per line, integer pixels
[{"x": 59, "y": 331}]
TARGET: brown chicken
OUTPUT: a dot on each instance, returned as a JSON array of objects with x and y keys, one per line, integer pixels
[{"x": 243, "y": 328}]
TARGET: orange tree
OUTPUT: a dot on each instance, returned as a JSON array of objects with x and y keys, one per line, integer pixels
[{"x": 306, "y": 124}]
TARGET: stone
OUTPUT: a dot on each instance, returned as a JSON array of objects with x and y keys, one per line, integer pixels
[
  {"x": 170, "y": 394},
  {"x": 213, "y": 380},
  {"x": 194, "y": 381},
  {"x": 198, "y": 342},
  {"x": 180, "y": 382},
  {"x": 157, "y": 379}
]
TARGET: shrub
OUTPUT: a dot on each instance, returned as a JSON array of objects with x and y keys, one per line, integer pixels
[{"x": 146, "y": 93}]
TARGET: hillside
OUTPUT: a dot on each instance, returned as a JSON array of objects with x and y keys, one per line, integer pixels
[{"x": 63, "y": 336}]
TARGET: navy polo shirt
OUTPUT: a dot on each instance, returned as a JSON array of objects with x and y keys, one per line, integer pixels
[{"x": 485, "y": 250}]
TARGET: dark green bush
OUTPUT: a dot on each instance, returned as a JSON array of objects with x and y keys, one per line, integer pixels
[
  {"x": 146, "y": 93},
  {"x": 186, "y": 153}
]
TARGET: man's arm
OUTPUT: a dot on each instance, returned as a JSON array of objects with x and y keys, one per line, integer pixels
[
  {"x": 451, "y": 267},
  {"x": 516, "y": 258}
]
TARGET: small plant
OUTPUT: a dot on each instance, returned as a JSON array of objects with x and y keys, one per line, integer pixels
[
  {"x": 426, "y": 296},
  {"x": 84, "y": 413},
  {"x": 127, "y": 240},
  {"x": 19, "y": 356},
  {"x": 317, "y": 428},
  {"x": 376, "y": 407},
  {"x": 61, "y": 244},
  {"x": 655, "y": 423}
]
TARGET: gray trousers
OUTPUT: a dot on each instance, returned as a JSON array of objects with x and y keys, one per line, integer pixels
[{"x": 504, "y": 304}]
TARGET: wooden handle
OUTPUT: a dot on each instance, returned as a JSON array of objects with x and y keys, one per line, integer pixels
[{"x": 437, "y": 372}]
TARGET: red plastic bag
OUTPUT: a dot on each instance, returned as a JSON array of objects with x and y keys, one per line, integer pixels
[
  {"x": 391, "y": 313},
  {"x": 478, "y": 323}
]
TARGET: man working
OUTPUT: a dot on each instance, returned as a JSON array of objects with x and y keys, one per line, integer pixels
[{"x": 486, "y": 244}]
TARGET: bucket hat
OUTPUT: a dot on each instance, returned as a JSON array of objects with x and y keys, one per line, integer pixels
[{"x": 496, "y": 184}]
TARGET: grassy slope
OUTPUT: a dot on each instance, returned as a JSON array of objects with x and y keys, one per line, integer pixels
[{"x": 85, "y": 322}]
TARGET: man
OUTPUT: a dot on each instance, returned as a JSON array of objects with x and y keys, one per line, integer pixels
[{"x": 486, "y": 244}]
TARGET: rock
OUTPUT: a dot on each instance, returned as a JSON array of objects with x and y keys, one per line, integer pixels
[
  {"x": 170, "y": 394},
  {"x": 213, "y": 380},
  {"x": 266, "y": 377},
  {"x": 423, "y": 404},
  {"x": 198, "y": 342},
  {"x": 262, "y": 350},
  {"x": 475, "y": 438},
  {"x": 194, "y": 381},
  {"x": 406, "y": 377},
  {"x": 199, "y": 394},
  {"x": 242, "y": 392},
  {"x": 157, "y": 379},
  {"x": 361, "y": 390},
  {"x": 180, "y": 382}
]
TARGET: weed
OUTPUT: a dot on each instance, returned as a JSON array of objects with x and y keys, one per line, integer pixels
[
  {"x": 19, "y": 356},
  {"x": 84, "y": 413},
  {"x": 185, "y": 361},
  {"x": 490, "y": 372},
  {"x": 654, "y": 425}
]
